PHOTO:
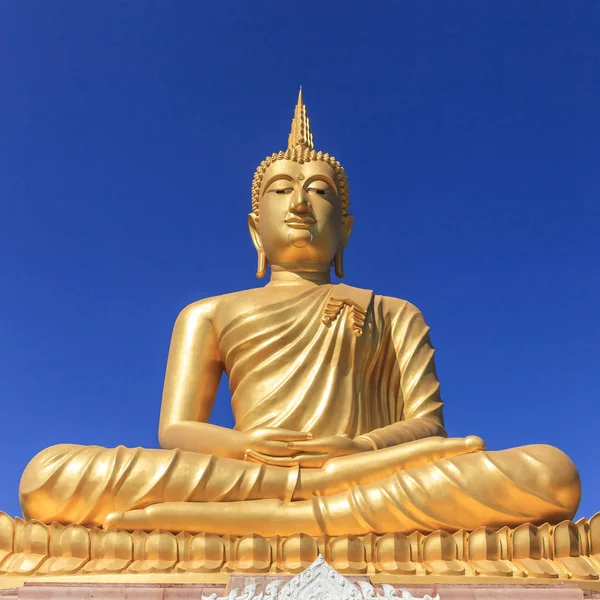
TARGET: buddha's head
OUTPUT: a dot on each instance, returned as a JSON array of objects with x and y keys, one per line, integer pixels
[{"x": 299, "y": 219}]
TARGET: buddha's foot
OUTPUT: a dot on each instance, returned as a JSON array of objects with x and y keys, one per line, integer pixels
[{"x": 267, "y": 517}]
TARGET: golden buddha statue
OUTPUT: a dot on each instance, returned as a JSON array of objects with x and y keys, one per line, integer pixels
[{"x": 339, "y": 426}]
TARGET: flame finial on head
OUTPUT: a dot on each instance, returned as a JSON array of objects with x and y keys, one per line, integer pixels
[
  {"x": 301, "y": 149},
  {"x": 300, "y": 136}
]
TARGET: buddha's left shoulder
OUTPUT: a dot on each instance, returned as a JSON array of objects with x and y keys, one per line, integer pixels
[
  {"x": 397, "y": 307},
  {"x": 389, "y": 305}
]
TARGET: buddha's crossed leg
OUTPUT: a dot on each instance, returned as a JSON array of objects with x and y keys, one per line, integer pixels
[
  {"x": 464, "y": 491},
  {"x": 274, "y": 516}
]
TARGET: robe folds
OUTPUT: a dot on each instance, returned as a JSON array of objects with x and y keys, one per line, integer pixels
[{"x": 287, "y": 368}]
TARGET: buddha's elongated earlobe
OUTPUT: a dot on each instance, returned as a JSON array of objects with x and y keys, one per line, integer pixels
[
  {"x": 338, "y": 259},
  {"x": 338, "y": 263},
  {"x": 261, "y": 269}
]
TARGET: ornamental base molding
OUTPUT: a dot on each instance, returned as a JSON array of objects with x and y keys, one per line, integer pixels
[
  {"x": 318, "y": 582},
  {"x": 568, "y": 552}
]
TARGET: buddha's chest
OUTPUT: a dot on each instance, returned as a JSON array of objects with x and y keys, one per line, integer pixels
[{"x": 334, "y": 338}]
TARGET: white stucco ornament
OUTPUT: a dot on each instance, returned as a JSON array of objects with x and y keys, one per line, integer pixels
[{"x": 319, "y": 582}]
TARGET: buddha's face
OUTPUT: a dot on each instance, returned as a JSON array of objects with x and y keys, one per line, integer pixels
[{"x": 300, "y": 210}]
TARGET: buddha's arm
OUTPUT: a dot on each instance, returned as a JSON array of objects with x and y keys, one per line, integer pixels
[
  {"x": 194, "y": 370},
  {"x": 420, "y": 388},
  {"x": 193, "y": 373}
]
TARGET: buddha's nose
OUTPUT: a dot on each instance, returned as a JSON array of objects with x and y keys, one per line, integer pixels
[{"x": 299, "y": 203}]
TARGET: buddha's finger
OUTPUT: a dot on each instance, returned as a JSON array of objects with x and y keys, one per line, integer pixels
[
  {"x": 256, "y": 457},
  {"x": 308, "y": 461},
  {"x": 274, "y": 461},
  {"x": 266, "y": 459},
  {"x": 286, "y": 461},
  {"x": 274, "y": 448},
  {"x": 289, "y": 435},
  {"x": 330, "y": 444}
]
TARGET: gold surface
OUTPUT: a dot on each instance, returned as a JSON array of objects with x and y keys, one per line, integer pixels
[
  {"x": 523, "y": 555},
  {"x": 339, "y": 428}
]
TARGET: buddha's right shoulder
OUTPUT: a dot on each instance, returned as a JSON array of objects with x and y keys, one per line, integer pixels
[
  {"x": 209, "y": 308},
  {"x": 201, "y": 309}
]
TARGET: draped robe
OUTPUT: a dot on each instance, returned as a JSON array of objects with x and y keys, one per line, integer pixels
[{"x": 288, "y": 368}]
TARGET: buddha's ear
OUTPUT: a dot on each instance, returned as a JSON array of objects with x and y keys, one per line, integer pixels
[
  {"x": 347, "y": 224},
  {"x": 338, "y": 259},
  {"x": 261, "y": 268}
]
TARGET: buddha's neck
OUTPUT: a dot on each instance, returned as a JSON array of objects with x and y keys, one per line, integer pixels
[{"x": 301, "y": 275}]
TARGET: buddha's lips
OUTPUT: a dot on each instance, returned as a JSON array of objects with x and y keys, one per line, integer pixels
[{"x": 300, "y": 222}]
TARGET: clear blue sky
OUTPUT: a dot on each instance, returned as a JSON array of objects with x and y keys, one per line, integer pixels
[{"x": 129, "y": 133}]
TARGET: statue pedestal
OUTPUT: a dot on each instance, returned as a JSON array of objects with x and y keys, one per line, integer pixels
[
  {"x": 318, "y": 582},
  {"x": 537, "y": 562},
  {"x": 92, "y": 591}
]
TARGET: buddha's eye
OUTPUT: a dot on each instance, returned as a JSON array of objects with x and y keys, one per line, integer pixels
[
  {"x": 318, "y": 190},
  {"x": 287, "y": 190}
]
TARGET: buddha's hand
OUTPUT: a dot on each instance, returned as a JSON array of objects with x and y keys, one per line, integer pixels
[
  {"x": 272, "y": 441},
  {"x": 313, "y": 453}
]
